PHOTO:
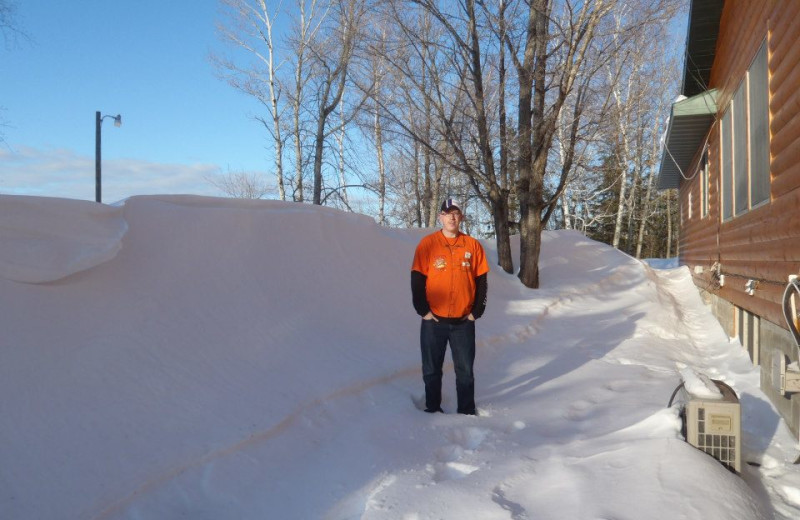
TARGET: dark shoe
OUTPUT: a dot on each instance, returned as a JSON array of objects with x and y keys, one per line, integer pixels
[
  {"x": 472, "y": 412},
  {"x": 428, "y": 410}
]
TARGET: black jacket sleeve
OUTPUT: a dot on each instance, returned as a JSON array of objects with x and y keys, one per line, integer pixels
[
  {"x": 481, "y": 290},
  {"x": 418, "y": 281}
]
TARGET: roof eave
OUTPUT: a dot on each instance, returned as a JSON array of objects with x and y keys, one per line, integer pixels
[
  {"x": 689, "y": 123},
  {"x": 701, "y": 44}
]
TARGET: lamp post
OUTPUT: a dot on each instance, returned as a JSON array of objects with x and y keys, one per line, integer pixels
[{"x": 97, "y": 176}]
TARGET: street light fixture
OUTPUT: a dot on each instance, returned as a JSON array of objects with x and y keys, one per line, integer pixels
[{"x": 97, "y": 176}]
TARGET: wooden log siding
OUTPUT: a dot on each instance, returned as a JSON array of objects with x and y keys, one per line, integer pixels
[
  {"x": 787, "y": 134},
  {"x": 763, "y": 243},
  {"x": 784, "y": 56},
  {"x": 782, "y": 48},
  {"x": 763, "y": 271},
  {"x": 782, "y": 96},
  {"x": 786, "y": 181},
  {"x": 743, "y": 27}
]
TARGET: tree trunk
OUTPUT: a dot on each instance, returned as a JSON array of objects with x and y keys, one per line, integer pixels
[
  {"x": 298, "y": 138},
  {"x": 645, "y": 216},
  {"x": 502, "y": 234},
  {"x": 532, "y": 146},
  {"x": 648, "y": 194},
  {"x": 319, "y": 142},
  {"x": 340, "y": 139},
  {"x": 381, "y": 168},
  {"x": 499, "y": 206},
  {"x": 276, "y": 120},
  {"x": 417, "y": 186},
  {"x": 530, "y": 247}
]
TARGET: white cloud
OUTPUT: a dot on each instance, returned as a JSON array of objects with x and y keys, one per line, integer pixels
[{"x": 58, "y": 172}]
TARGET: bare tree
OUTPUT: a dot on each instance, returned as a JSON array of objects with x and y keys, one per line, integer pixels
[
  {"x": 318, "y": 48},
  {"x": 638, "y": 79},
  {"x": 9, "y": 23},
  {"x": 440, "y": 79},
  {"x": 456, "y": 97},
  {"x": 310, "y": 19},
  {"x": 565, "y": 45},
  {"x": 381, "y": 168},
  {"x": 12, "y": 33},
  {"x": 414, "y": 60},
  {"x": 242, "y": 185},
  {"x": 340, "y": 140},
  {"x": 552, "y": 61},
  {"x": 377, "y": 72},
  {"x": 663, "y": 86},
  {"x": 250, "y": 27},
  {"x": 332, "y": 52}
]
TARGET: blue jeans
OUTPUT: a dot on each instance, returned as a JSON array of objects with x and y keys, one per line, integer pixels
[{"x": 434, "y": 337}]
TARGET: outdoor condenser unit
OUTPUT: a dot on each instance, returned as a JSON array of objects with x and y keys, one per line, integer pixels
[{"x": 714, "y": 425}]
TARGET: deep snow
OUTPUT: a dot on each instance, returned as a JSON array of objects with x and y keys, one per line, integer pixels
[{"x": 188, "y": 357}]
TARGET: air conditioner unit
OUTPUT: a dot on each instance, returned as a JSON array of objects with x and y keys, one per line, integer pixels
[{"x": 714, "y": 425}]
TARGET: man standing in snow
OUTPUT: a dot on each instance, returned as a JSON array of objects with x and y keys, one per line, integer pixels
[{"x": 448, "y": 288}]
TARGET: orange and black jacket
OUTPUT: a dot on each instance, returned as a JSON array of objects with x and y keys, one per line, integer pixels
[{"x": 449, "y": 277}]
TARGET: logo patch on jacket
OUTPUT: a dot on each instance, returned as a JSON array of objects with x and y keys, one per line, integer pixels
[{"x": 439, "y": 262}]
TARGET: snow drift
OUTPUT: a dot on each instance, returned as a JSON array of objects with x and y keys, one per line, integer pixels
[
  {"x": 259, "y": 359},
  {"x": 45, "y": 239}
]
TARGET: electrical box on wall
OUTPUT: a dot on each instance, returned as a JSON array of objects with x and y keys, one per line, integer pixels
[{"x": 785, "y": 377}]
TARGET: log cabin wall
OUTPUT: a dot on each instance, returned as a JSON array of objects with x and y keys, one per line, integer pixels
[{"x": 762, "y": 241}]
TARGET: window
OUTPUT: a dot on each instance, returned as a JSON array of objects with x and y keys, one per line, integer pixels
[
  {"x": 744, "y": 142},
  {"x": 740, "y": 184},
  {"x": 758, "y": 81},
  {"x": 727, "y": 166}
]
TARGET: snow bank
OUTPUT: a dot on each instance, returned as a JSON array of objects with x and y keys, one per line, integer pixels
[
  {"x": 46, "y": 239},
  {"x": 246, "y": 360}
]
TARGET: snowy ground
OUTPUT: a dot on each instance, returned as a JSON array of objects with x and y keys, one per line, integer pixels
[{"x": 185, "y": 357}]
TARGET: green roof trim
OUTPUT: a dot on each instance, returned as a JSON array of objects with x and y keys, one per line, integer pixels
[{"x": 689, "y": 122}]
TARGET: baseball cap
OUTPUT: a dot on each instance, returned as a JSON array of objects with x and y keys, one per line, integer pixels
[{"x": 449, "y": 205}]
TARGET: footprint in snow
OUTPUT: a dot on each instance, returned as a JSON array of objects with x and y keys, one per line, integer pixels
[
  {"x": 469, "y": 438},
  {"x": 448, "y": 456},
  {"x": 449, "y": 453},
  {"x": 443, "y": 471},
  {"x": 579, "y": 410}
]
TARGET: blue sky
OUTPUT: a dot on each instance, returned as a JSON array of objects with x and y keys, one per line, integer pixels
[{"x": 146, "y": 60}]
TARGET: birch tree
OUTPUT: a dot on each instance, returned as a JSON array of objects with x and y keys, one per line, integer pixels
[
  {"x": 377, "y": 71},
  {"x": 332, "y": 51},
  {"x": 639, "y": 81},
  {"x": 249, "y": 27},
  {"x": 310, "y": 17},
  {"x": 415, "y": 61},
  {"x": 457, "y": 99}
]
